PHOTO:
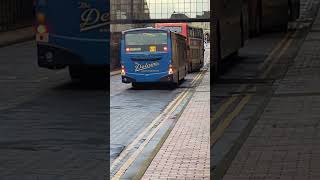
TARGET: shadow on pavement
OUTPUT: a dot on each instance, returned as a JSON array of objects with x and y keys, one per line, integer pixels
[
  {"x": 84, "y": 86},
  {"x": 156, "y": 86}
]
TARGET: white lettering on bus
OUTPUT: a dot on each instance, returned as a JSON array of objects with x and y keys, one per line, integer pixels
[
  {"x": 141, "y": 67},
  {"x": 84, "y": 5},
  {"x": 92, "y": 18}
]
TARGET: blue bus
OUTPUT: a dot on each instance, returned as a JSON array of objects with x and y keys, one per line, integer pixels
[
  {"x": 73, "y": 34},
  {"x": 153, "y": 55}
]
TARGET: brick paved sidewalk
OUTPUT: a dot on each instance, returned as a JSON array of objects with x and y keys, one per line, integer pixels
[
  {"x": 16, "y": 36},
  {"x": 186, "y": 152},
  {"x": 285, "y": 143}
]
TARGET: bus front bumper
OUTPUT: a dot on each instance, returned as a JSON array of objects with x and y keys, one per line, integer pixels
[{"x": 163, "y": 79}]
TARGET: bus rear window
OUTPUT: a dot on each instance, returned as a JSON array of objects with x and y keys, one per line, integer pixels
[{"x": 139, "y": 42}]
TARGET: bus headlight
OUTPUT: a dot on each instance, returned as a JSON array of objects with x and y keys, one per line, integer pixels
[{"x": 170, "y": 70}]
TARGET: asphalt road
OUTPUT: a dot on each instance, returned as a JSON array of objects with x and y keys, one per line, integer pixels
[{"x": 50, "y": 128}]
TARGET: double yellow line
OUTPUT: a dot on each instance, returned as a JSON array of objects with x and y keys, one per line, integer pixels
[
  {"x": 166, "y": 114},
  {"x": 272, "y": 59}
]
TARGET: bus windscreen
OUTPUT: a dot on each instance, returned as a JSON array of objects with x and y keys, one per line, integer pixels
[{"x": 141, "y": 42}]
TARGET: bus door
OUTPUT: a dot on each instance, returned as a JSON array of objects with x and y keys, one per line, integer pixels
[
  {"x": 145, "y": 55},
  {"x": 72, "y": 32}
]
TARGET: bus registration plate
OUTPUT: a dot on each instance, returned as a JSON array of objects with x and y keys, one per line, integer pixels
[{"x": 153, "y": 48}]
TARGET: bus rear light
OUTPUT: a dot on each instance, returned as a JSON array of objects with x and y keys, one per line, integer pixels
[
  {"x": 170, "y": 70},
  {"x": 165, "y": 48},
  {"x": 41, "y": 18},
  {"x": 123, "y": 71},
  {"x": 127, "y": 49},
  {"x": 42, "y": 29}
]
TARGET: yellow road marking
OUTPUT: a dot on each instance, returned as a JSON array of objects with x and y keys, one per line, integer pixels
[
  {"x": 220, "y": 130},
  {"x": 223, "y": 108},
  {"x": 286, "y": 46},
  {"x": 279, "y": 45},
  {"x": 226, "y": 105},
  {"x": 195, "y": 79},
  {"x": 167, "y": 112}
]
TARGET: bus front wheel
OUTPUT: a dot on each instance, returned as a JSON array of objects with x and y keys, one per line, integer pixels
[
  {"x": 88, "y": 74},
  {"x": 75, "y": 72},
  {"x": 191, "y": 68},
  {"x": 137, "y": 85}
]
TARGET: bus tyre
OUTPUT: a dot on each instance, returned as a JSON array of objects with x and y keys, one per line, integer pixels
[
  {"x": 185, "y": 71},
  {"x": 91, "y": 75},
  {"x": 216, "y": 51},
  {"x": 216, "y": 70},
  {"x": 174, "y": 85},
  {"x": 136, "y": 85},
  {"x": 75, "y": 73},
  {"x": 258, "y": 23},
  {"x": 199, "y": 67},
  {"x": 175, "y": 81}
]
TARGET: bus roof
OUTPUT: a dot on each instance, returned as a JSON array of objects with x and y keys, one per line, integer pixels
[
  {"x": 153, "y": 29},
  {"x": 178, "y": 24},
  {"x": 144, "y": 29},
  {"x": 172, "y": 24}
]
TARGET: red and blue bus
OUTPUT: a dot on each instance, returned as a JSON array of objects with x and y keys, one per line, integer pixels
[
  {"x": 195, "y": 42},
  {"x": 151, "y": 55},
  {"x": 73, "y": 34}
]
